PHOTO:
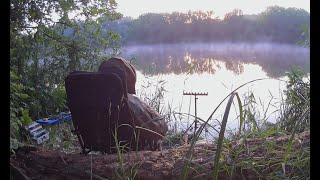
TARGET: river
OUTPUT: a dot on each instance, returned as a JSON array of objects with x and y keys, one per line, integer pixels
[{"x": 166, "y": 71}]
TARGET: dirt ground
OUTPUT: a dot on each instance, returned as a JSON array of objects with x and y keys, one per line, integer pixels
[{"x": 41, "y": 163}]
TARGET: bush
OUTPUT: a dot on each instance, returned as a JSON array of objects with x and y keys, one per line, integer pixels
[
  {"x": 296, "y": 108},
  {"x": 19, "y": 113}
]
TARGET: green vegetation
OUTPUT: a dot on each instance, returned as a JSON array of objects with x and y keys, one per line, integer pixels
[
  {"x": 296, "y": 109},
  {"x": 49, "y": 39}
]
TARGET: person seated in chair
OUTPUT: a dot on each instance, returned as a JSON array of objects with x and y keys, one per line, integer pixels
[{"x": 144, "y": 115}]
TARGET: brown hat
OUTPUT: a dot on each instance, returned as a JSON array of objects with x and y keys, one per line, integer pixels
[{"x": 124, "y": 65}]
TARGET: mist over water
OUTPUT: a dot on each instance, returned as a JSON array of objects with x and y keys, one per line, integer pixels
[
  {"x": 275, "y": 59},
  {"x": 217, "y": 69}
]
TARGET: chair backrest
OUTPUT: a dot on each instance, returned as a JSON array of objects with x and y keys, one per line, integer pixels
[
  {"x": 120, "y": 73},
  {"x": 98, "y": 105}
]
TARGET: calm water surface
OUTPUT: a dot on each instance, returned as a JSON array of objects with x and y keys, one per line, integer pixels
[{"x": 216, "y": 69}]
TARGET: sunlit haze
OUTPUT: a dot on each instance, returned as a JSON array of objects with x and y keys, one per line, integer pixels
[{"x": 219, "y": 7}]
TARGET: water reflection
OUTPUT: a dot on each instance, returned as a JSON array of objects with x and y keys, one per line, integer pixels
[
  {"x": 275, "y": 59},
  {"x": 218, "y": 86},
  {"x": 217, "y": 69}
]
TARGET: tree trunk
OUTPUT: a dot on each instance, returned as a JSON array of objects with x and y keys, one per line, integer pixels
[{"x": 73, "y": 56}]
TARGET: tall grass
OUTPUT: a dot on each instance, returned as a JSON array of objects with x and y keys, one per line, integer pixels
[
  {"x": 296, "y": 102},
  {"x": 296, "y": 88},
  {"x": 221, "y": 135},
  {"x": 122, "y": 172}
]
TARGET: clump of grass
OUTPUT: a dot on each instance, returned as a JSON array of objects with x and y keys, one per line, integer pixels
[
  {"x": 62, "y": 138},
  {"x": 154, "y": 98},
  {"x": 296, "y": 103},
  {"x": 122, "y": 172}
]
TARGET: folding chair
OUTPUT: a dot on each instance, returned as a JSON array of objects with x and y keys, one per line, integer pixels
[{"x": 100, "y": 112}]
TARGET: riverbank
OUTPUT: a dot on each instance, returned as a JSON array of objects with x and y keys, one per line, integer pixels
[{"x": 250, "y": 158}]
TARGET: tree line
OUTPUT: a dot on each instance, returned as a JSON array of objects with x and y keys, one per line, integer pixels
[{"x": 275, "y": 24}]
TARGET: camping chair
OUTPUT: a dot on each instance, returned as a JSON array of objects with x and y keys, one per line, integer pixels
[{"x": 100, "y": 112}]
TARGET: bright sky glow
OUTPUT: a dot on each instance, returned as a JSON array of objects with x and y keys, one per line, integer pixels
[{"x": 134, "y": 8}]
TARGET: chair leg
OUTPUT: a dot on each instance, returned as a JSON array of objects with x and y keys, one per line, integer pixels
[
  {"x": 82, "y": 144},
  {"x": 85, "y": 152}
]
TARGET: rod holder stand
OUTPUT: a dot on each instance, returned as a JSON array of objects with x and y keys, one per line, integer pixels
[{"x": 195, "y": 94}]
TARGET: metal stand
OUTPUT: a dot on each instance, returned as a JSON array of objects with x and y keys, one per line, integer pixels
[{"x": 195, "y": 105}]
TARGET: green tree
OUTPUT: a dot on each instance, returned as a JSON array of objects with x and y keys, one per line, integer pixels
[
  {"x": 48, "y": 40},
  {"x": 276, "y": 24},
  {"x": 283, "y": 24}
]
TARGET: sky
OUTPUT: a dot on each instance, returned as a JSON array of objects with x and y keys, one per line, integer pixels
[{"x": 134, "y": 8}]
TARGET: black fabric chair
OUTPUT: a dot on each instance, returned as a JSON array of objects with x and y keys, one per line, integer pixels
[{"x": 99, "y": 108}]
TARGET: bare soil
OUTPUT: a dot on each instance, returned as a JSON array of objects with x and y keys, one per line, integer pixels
[{"x": 41, "y": 163}]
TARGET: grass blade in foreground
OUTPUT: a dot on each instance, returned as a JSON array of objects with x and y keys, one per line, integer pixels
[
  {"x": 221, "y": 136},
  {"x": 241, "y": 112}
]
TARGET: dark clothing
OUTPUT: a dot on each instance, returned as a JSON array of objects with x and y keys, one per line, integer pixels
[
  {"x": 145, "y": 116},
  {"x": 120, "y": 63}
]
